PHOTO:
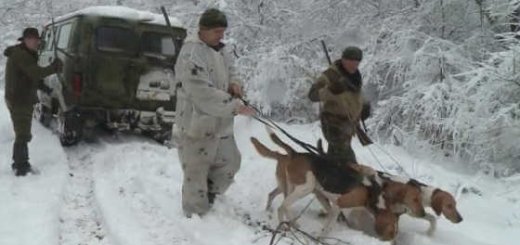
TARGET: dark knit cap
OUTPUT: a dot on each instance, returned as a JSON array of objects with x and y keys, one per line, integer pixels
[
  {"x": 352, "y": 53},
  {"x": 29, "y": 32},
  {"x": 213, "y": 18}
]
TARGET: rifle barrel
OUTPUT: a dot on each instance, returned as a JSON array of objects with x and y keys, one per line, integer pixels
[{"x": 326, "y": 52}]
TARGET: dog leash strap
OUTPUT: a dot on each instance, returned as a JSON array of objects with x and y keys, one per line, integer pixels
[
  {"x": 308, "y": 147},
  {"x": 270, "y": 123}
]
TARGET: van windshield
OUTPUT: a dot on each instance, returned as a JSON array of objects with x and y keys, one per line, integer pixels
[
  {"x": 115, "y": 39},
  {"x": 159, "y": 44}
]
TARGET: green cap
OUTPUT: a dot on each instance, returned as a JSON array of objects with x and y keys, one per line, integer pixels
[
  {"x": 352, "y": 53},
  {"x": 213, "y": 18}
]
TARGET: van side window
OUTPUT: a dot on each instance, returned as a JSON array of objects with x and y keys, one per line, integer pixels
[
  {"x": 63, "y": 41},
  {"x": 157, "y": 43},
  {"x": 115, "y": 39}
]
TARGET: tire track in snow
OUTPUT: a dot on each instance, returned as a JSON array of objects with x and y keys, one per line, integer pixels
[
  {"x": 160, "y": 227},
  {"x": 130, "y": 194},
  {"x": 81, "y": 222}
]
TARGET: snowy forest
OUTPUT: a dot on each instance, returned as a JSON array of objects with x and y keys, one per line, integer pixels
[{"x": 441, "y": 75}]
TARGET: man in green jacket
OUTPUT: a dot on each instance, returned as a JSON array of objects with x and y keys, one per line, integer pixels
[
  {"x": 339, "y": 91},
  {"x": 23, "y": 77}
]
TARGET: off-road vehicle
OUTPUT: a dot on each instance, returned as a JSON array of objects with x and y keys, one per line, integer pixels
[{"x": 118, "y": 72}]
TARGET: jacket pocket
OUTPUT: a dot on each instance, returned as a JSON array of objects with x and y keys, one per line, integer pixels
[{"x": 201, "y": 125}]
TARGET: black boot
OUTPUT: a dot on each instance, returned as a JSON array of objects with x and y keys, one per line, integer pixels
[
  {"x": 21, "y": 165},
  {"x": 211, "y": 195},
  {"x": 21, "y": 169}
]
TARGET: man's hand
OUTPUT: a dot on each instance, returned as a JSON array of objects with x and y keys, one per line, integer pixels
[
  {"x": 235, "y": 90},
  {"x": 366, "y": 111},
  {"x": 245, "y": 110},
  {"x": 57, "y": 65}
]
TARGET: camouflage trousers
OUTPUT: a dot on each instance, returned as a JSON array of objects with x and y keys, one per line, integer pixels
[
  {"x": 338, "y": 131},
  {"x": 209, "y": 168},
  {"x": 21, "y": 117}
]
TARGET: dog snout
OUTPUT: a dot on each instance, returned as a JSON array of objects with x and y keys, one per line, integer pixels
[{"x": 458, "y": 218}]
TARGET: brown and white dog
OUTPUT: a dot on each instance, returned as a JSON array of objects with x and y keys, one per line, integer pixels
[
  {"x": 299, "y": 174},
  {"x": 380, "y": 196},
  {"x": 294, "y": 177},
  {"x": 442, "y": 202}
]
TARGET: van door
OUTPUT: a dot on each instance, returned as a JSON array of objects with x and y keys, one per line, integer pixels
[
  {"x": 56, "y": 39},
  {"x": 46, "y": 46},
  {"x": 159, "y": 48},
  {"x": 113, "y": 68}
]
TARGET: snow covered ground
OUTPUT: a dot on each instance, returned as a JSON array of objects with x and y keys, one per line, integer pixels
[{"x": 126, "y": 191}]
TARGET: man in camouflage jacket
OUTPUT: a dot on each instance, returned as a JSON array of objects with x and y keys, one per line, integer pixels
[
  {"x": 206, "y": 105},
  {"x": 339, "y": 90}
]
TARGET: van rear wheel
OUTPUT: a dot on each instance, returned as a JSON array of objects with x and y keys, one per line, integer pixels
[
  {"x": 164, "y": 136},
  {"x": 69, "y": 127}
]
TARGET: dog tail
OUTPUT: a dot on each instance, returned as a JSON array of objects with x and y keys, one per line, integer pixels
[
  {"x": 264, "y": 151},
  {"x": 290, "y": 151}
]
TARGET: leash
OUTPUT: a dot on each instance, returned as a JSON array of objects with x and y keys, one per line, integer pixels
[
  {"x": 393, "y": 158},
  {"x": 310, "y": 148},
  {"x": 271, "y": 124}
]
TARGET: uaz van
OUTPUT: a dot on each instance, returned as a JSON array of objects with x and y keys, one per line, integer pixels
[{"x": 118, "y": 72}]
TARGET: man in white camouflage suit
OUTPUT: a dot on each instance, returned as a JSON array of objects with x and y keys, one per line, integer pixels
[{"x": 207, "y": 101}]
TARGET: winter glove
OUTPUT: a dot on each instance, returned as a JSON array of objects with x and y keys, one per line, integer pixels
[
  {"x": 365, "y": 112},
  {"x": 57, "y": 65}
]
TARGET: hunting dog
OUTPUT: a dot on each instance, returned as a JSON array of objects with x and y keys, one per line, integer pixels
[
  {"x": 442, "y": 202},
  {"x": 345, "y": 186},
  {"x": 296, "y": 176},
  {"x": 381, "y": 197}
]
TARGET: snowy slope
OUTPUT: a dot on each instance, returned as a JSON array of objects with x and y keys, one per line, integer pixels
[{"x": 126, "y": 191}]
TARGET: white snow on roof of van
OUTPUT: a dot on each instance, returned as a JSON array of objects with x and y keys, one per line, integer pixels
[{"x": 123, "y": 12}]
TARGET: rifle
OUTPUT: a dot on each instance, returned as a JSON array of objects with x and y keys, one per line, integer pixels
[
  {"x": 362, "y": 135},
  {"x": 176, "y": 41},
  {"x": 326, "y": 52}
]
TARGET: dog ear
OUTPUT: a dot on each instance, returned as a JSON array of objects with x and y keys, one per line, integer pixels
[{"x": 437, "y": 202}]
